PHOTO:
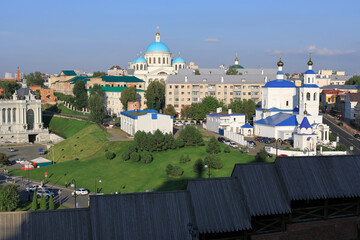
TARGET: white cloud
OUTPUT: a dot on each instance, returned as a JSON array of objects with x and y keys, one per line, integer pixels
[
  {"x": 314, "y": 50},
  {"x": 212, "y": 40}
]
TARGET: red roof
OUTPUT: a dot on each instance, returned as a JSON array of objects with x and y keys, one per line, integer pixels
[
  {"x": 354, "y": 97},
  {"x": 333, "y": 92}
]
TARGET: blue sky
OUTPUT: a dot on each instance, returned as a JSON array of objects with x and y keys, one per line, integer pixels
[{"x": 49, "y": 36}]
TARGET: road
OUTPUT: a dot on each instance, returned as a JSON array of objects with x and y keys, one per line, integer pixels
[{"x": 345, "y": 137}]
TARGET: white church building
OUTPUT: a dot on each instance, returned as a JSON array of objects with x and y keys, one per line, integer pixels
[
  {"x": 290, "y": 112},
  {"x": 157, "y": 63}
]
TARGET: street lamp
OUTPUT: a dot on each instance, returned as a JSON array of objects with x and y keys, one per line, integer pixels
[
  {"x": 96, "y": 190},
  {"x": 209, "y": 170},
  {"x": 276, "y": 142},
  {"x": 193, "y": 231},
  {"x": 73, "y": 182}
]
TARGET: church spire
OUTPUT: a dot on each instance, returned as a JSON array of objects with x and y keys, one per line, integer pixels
[
  {"x": 280, "y": 74},
  {"x": 310, "y": 63},
  {"x": 157, "y": 35},
  {"x": 236, "y": 60}
]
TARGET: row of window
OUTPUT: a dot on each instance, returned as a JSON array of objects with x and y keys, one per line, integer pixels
[
  {"x": 212, "y": 94},
  {"x": 8, "y": 111},
  {"x": 219, "y": 86},
  {"x": 308, "y": 96}
]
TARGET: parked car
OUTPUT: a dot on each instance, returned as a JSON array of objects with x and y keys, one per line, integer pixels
[
  {"x": 270, "y": 140},
  {"x": 263, "y": 139},
  {"x": 117, "y": 125},
  {"x": 251, "y": 143},
  {"x": 12, "y": 149},
  {"x": 243, "y": 150},
  {"x": 341, "y": 124},
  {"x": 283, "y": 155},
  {"x": 20, "y": 160},
  {"x": 80, "y": 191},
  {"x": 357, "y": 135},
  {"x": 233, "y": 145},
  {"x": 257, "y": 138},
  {"x": 187, "y": 122},
  {"x": 32, "y": 188},
  {"x": 44, "y": 192},
  {"x": 178, "y": 124},
  {"x": 227, "y": 142},
  {"x": 106, "y": 125},
  {"x": 221, "y": 139}
]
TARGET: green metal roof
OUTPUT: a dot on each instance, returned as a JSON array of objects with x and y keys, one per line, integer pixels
[
  {"x": 77, "y": 78},
  {"x": 68, "y": 72},
  {"x": 116, "y": 89},
  {"x": 237, "y": 67},
  {"x": 121, "y": 79}
]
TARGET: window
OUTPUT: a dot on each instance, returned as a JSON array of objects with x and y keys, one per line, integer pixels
[
  {"x": 287, "y": 103},
  {"x": 188, "y": 86},
  {"x": 188, "y": 93},
  {"x": 163, "y": 60},
  {"x": 188, "y": 99},
  {"x": 154, "y": 60},
  {"x": 314, "y": 96},
  {"x": 182, "y": 86},
  {"x": 231, "y": 93},
  {"x": 219, "y": 93},
  {"x": 170, "y": 86},
  {"x": 244, "y": 86},
  {"x": 219, "y": 86},
  {"x": 308, "y": 96},
  {"x": 170, "y": 93},
  {"x": 170, "y": 99},
  {"x": 225, "y": 87},
  {"x": 176, "y": 86},
  {"x": 176, "y": 99},
  {"x": 182, "y": 93},
  {"x": 14, "y": 114},
  {"x": 149, "y": 60},
  {"x": 244, "y": 93},
  {"x": 159, "y": 60},
  {"x": 249, "y": 93},
  {"x": 182, "y": 99}
]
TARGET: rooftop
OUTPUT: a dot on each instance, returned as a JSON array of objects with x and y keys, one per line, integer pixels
[{"x": 218, "y": 79}]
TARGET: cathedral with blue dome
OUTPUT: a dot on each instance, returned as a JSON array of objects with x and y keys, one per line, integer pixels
[
  {"x": 157, "y": 62},
  {"x": 290, "y": 112}
]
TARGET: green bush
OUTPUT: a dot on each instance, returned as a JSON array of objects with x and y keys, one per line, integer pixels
[
  {"x": 43, "y": 204},
  {"x": 226, "y": 149},
  {"x": 341, "y": 147},
  {"x": 213, "y": 161},
  {"x": 34, "y": 204},
  {"x": 191, "y": 136},
  {"x": 199, "y": 166},
  {"x": 146, "y": 157},
  {"x": 179, "y": 143},
  {"x": 184, "y": 159},
  {"x": 169, "y": 168},
  {"x": 134, "y": 156},
  {"x": 177, "y": 171},
  {"x": 125, "y": 155},
  {"x": 332, "y": 138},
  {"x": 110, "y": 155},
  {"x": 261, "y": 156},
  {"x": 51, "y": 203},
  {"x": 132, "y": 148}
]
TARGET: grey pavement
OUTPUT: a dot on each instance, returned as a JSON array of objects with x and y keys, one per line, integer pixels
[
  {"x": 116, "y": 136},
  {"x": 345, "y": 137},
  {"x": 28, "y": 152}
]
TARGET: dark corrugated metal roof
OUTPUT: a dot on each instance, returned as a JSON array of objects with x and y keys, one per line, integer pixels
[
  {"x": 218, "y": 205},
  {"x": 262, "y": 188},
  {"x": 154, "y": 215},
  {"x": 320, "y": 177}
]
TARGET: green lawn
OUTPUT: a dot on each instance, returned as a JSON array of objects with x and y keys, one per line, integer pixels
[
  {"x": 60, "y": 108},
  {"x": 65, "y": 127}
]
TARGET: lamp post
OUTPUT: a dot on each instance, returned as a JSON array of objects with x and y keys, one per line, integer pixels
[
  {"x": 193, "y": 231},
  {"x": 276, "y": 145},
  {"x": 96, "y": 191},
  {"x": 307, "y": 150},
  {"x": 209, "y": 169},
  {"x": 73, "y": 182}
]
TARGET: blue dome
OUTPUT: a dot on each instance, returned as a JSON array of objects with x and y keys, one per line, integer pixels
[
  {"x": 157, "y": 46},
  {"x": 139, "y": 59},
  {"x": 179, "y": 60},
  {"x": 309, "y": 72},
  {"x": 280, "y": 83}
]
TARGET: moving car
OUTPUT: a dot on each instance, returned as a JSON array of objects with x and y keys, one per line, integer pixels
[
  {"x": 233, "y": 145},
  {"x": 44, "y": 192},
  {"x": 32, "y": 188},
  {"x": 80, "y": 191}
]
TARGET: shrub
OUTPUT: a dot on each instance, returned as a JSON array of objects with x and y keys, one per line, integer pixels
[
  {"x": 51, "y": 203},
  {"x": 191, "y": 136},
  {"x": 3, "y": 159},
  {"x": 146, "y": 157},
  {"x": 43, "y": 205},
  {"x": 213, "y": 161},
  {"x": 332, "y": 138},
  {"x": 132, "y": 148},
  {"x": 110, "y": 155},
  {"x": 177, "y": 171},
  {"x": 125, "y": 155},
  {"x": 261, "y": 156},
  {"x": 184, "y": 159},
  {"x": 34, "y": 204},
  {"x": 199, "y": 166},
  {"x": 340, "y": 147},
  {"x": 169, "y": 169},
  {"x": 226, "y": 149},
  {"x": 134, "y": 156},
  {"x": 213, "y": 146},
  {"x": 179, "y": 143}
]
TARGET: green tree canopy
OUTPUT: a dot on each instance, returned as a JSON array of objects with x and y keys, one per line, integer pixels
[
  {"x": 43, "y": 204},
  {"x": 231, "y": 71},
  {"x": 211, "y": 104},
  {"x": 198, "y": 111},
  {"x": 34, "y": 204},
  {"x": 261, "y": 156},
  {"x": 213, "y": 146},
  {"x": 80, "y": 94},
  {"x": 9, "y": 197},
  {"x": 97, "y": 108},
  {"x": 185, "y": 112},
  {"x": 354, "y": 80},
  {"x": 191, "y": 136},
  {"x": 197, "y": 72},
  {"x": 99, "y": 74},
  {"x": 155, "y": 96},
  {"x": 9, "y": 88},
  {"x": 97, "y": 89},
  {"x": 170, "y": 110},
  {"x": 243, "y": 106},
  {"x": 127, "y": 95},
  {"x": 33, "y": 79}
]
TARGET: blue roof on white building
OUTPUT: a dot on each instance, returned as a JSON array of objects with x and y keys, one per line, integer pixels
[
  {"x": 309, "y": 86},
  {"x": 309, "y": 72},
  {"x": 157, "y": 47},
  {"x": 279, "y": 83},
  {"x": 247, "y": 125},
  {"x": 139, "y": 59},
  {"x": 305, "y": 123},
  {"x": 280, "y": 119}
]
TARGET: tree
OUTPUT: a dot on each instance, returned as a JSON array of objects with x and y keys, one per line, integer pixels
[
  {"x": 184, "y": 159},
  {"x": 4, "y": 159},
  {"x": 159, "y": 140},
  {"x": 231, "y": 71},
  {"x": 261, "y": 156},
  {"x": 155, "y": 96},
  {"x": 9, "y": 88},
  {"x": 109, "y": 155},
  {"x": 33, "y": 79},
  {"x": 150, "y": 142},
  {"x": 128, "y": 95},
  {"x": 96, "y": 107},
  {"x": 43, "y": 205},
  {"x": 210, "y": 103},
  {"x": 226, "y": 149},
  {"x": 134, "y": 156},
  {"x": 197, "y": 72},
  {"x": 80, "y": 94},
  {"x": 146, "y": 157},
  {"x": 99, "y": 74},
  {"x": 9, "y": 197},
  {"x": 140, "y": 140},
  {"x": 34, "y": 204},
  {"x": 179, "y": 142},
  {"x": 198, "y": 111},
  {"x": 51, "y": 203},
  {"x": 191, "y": 136},
  {"x": 354, "y": 80},
  {"x": 213, "y": 146},
  {"x": 170, "y": 110},
  {"x": 169, "y": 141},
  {"x": 243, "y": 106},
  {"x": 213, "y": 161},
  {"x": 97, "y": 90},
  {"x": 185, "y": 112},
  {"x": 199, "y": 166}
]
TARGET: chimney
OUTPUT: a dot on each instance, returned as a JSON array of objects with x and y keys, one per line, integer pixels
[
  {"x": 219, "y": 110},
  {"x": 185, "y": 78},
  {"x": 229, "y": 111},
  {"x": 266, "y": 79},
  {"x": 18, "y": 76},
  {"x": 222, "y": 79}
]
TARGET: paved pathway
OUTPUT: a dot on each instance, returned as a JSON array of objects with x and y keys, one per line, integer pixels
[{"x": 116, "y": 136}]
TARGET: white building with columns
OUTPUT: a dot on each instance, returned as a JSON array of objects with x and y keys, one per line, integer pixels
[
  {"x": 21, "y": 119},
  {"x": 157, "y": 63},
  {"x": 286, "y": 109}
]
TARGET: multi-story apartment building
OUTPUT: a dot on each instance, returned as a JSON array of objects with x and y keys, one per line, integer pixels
[{"x": 182, "y": 90}]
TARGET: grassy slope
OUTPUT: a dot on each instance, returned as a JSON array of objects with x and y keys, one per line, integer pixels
[{"x": 65, "y": 127}]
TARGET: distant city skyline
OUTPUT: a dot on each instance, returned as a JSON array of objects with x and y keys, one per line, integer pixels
[{"x": 91, "y": 36}]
